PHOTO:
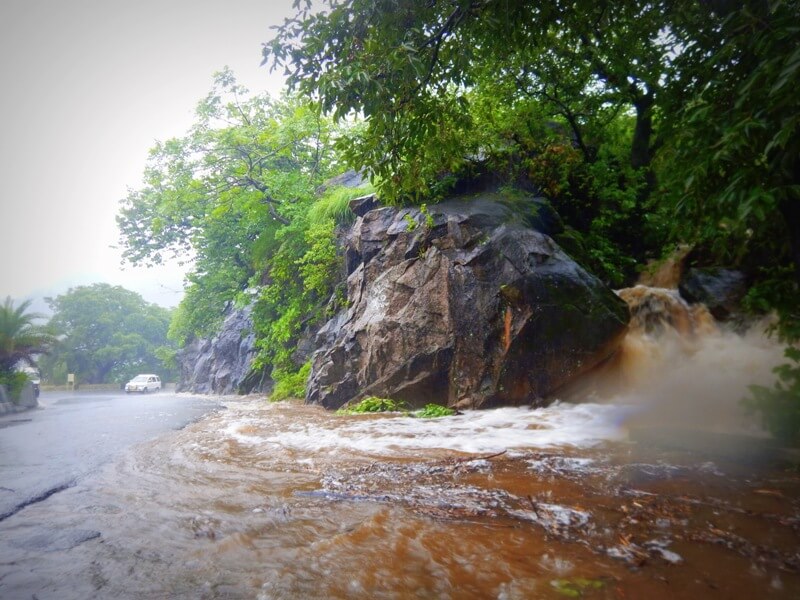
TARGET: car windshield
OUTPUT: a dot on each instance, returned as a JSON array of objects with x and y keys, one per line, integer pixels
[{"x": 139, "y": 379}]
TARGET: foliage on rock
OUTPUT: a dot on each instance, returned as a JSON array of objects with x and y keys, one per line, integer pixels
[
  {"x": 222, "y": 195},
  {"x": 237, "y": 195},
  {"x": 434, "y": 411},
  {"x": 289, "y": 384}
]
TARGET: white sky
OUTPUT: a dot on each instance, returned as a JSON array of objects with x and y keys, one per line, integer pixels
[{"x": 87, "y": 87}]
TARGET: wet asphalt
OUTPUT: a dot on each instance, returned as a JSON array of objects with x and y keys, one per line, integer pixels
[{"x": 73, "y": 434}]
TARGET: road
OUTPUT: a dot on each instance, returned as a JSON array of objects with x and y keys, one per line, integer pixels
[{"x": 73, "y": 434}]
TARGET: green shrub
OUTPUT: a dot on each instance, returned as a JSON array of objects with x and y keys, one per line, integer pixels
[
  {"x": 13, "y": 382},
  {"x": 335, "y": 204},
  {"x": 289, "y": 384},
  {"x": 779, "y": 406},
  {"x": 373, "y": 404},
  {"x": 434, "y": 411}
]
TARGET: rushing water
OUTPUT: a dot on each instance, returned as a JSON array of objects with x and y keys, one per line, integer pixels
[
  {"x": 287, "y": 501},
  {"x": 646, "y": 494}
]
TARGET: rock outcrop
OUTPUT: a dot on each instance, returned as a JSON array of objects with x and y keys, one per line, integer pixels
[
  {"x": 465, "y": 304},
  {"x": 223, "y": 364},
  {"x": 721, "y": 290}
]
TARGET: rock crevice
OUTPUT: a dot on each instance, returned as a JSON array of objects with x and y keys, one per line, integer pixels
[{"x": 223, "y": 364}]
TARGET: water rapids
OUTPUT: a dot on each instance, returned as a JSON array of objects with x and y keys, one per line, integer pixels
[{"x": 654, "y": 486}]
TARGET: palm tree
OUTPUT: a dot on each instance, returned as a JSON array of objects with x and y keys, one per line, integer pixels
[{"x": 20, "y": 338}]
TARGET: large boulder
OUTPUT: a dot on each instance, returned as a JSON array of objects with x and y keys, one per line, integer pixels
[
  {"x": 464, "y": 303},
  {"x": 223, "y": 364}
]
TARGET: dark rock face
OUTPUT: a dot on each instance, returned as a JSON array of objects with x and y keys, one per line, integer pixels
[
  {"x": 222, "y": 364},
  {"x": 466, "y": 305},
  {"x": 721, "y": 290}
]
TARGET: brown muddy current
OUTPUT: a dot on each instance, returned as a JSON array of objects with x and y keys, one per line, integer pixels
[{"x": 614, "y": 497}]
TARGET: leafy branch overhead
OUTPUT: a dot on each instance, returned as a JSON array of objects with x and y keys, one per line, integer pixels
[
  {"x": 707, "y": 86},
  {"x": 243, "y": 161},
  {"x": 413, "y": 70}
]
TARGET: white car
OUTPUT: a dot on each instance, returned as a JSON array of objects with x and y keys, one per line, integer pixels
[{"x": 143, "y": 383}]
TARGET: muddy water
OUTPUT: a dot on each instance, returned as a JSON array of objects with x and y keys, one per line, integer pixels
[
  {"x": 655, "y": 486},
  {"x": 287, "y": 501}
]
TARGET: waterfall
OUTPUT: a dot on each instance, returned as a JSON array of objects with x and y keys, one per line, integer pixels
[{"x": 685, "y": 369}]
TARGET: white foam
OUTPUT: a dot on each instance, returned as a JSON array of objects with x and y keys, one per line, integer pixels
[{"x": 485, "y": 431}]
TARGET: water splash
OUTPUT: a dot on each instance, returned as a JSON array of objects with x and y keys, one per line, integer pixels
[
  {"x": 684, "y": 369},
  {"x": 560, "y": 424}
]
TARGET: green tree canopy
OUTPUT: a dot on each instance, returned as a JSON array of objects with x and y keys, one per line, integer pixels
[
  {"x": 733, "y": 161},
  {"x": 108, "y": 334},
  {"x": 21, "y": 340},
  {"x": 413, "y": 71},
  {"x": 219, "y": 195},
  {"x": 238, "y": 195},
  {"x": 708, "y": 89}
]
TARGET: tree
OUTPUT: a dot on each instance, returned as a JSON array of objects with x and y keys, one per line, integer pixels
[
  {"x": 709, "y": 82},
  {"x": 218, "y": 195},
  {"x": 410, "y": 69},
  {"x": 734, "y": 152},
  {"x": 560, "y": 96},
  {"x": 709, "y": 87},
  {"x": 21, "y": 340},
  {"x": 109, "y": 334},
  {"x": 734, "y": 161},
  {"x": 238, "y": 194}
]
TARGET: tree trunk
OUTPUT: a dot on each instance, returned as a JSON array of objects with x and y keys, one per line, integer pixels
[
  {"x": 643, "y": 132},
  {"x": 102, "y": 371}
]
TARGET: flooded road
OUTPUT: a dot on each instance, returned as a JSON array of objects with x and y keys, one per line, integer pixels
[
  {"x": 72, "y": 434},
  {"x": 267, "y": 501}
]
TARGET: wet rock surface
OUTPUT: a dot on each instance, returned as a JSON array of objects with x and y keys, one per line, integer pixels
[
  {"x": 223, "y": 364},
  {"x": 464, "y": 303},
  {"x": 721, "y": 290}
]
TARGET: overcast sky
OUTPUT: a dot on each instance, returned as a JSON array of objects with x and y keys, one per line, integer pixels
[{"x": 87, "y": 87}]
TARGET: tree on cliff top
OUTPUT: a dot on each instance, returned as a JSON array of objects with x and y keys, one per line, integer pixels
[
  {"x": 411, "y": 68},
  {"x": 238, "y": 196},
  {"x": 710, "y": 86},
  {"x": 219, "y": 195}
]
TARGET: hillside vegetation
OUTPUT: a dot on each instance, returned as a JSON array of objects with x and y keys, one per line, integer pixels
[{"x": 645, "y": 126}]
